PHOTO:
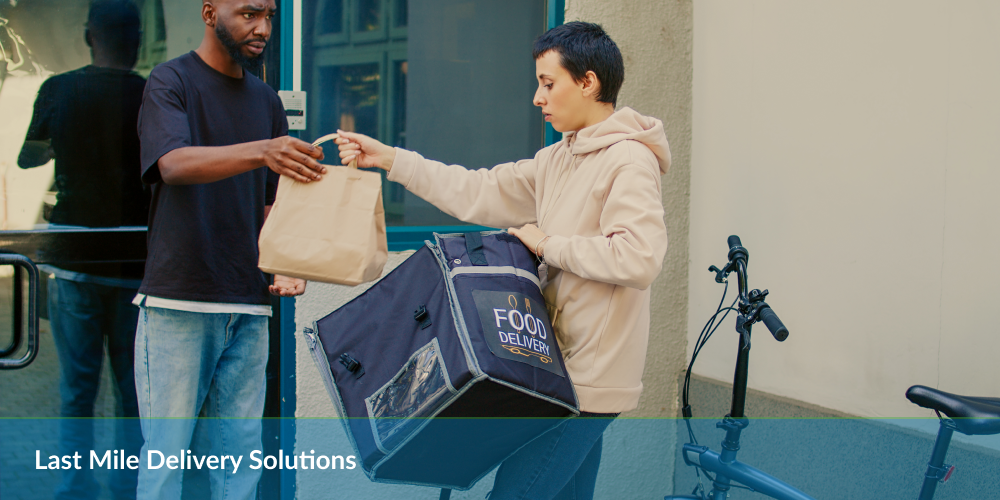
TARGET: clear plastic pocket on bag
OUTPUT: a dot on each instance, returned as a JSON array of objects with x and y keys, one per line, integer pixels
[{"x": 417, "y": 391}]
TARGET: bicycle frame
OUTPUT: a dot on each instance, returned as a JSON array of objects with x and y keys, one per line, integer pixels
[{"x": 724, "y": 465}]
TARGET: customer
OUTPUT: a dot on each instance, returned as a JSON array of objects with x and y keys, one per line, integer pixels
[
  {"x": 86, "y": 120},
  {"x": 208, "y": 129},
  {"x": 590, "y": 207}
]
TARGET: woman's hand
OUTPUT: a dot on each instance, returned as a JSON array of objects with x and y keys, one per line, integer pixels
[
  {"x": 369, "y": 152},
  {"x": 532, "y": 237}
]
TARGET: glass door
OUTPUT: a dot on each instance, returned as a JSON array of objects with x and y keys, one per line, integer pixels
[
  {"x": 73, "y": 236},
  {"x": 73, "y": 241}
]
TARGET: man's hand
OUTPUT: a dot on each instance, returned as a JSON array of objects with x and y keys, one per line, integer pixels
[
  {"x": 531, "y": 236},
  {"x": 287, "y": 287},
  {"x": 369, "y": 152},
  {"x": 295, "y": 158}
]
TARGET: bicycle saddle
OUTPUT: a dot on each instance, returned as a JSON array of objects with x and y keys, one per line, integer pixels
[{"x": 972, "y": 416}]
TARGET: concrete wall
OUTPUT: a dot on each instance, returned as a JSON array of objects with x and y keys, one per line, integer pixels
[
  {"x": 655, "y": 39},
  {"x": 852, "y": 145}
]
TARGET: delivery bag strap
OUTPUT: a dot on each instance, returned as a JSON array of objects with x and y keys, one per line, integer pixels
[{"x": 474, "y": 247}]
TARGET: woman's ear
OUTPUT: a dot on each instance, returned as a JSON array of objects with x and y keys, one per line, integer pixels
[{"x": 591, "y": 85}]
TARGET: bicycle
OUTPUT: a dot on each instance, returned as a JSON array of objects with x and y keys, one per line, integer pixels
[{"x": 965, "y": 414}]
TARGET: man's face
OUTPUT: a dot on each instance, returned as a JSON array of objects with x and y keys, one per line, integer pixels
[
  {"x": 561, "y": 99},
  {"x": 244, "y": 27}
]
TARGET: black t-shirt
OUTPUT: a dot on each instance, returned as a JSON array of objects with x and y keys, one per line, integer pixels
[
  {"x": 90, "y": 116},
  {"x": 203, "y": 237}
]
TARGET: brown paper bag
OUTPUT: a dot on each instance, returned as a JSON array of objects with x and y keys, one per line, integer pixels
[{"x": 331, "y": 230}]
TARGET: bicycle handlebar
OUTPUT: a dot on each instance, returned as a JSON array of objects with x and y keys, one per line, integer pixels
[
  {"x": 736, "y": 250},
  {"x": 734, "y": 241},
  {"x": 774, "y": 324}
]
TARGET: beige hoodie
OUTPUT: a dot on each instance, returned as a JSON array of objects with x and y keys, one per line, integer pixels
[{"x": 597, "y": 194}]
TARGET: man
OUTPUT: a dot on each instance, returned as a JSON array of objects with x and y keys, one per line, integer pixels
[
  {"x": 207, "y": 129},
  {"x": 86, "y": 120}
]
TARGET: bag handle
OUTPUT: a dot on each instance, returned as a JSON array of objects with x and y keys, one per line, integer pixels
[{"x": 330, "y": 137}]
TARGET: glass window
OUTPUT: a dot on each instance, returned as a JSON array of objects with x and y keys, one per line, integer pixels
[
  {"x": 66, "y": 159},
  {"x": 331, "y": 17},
  {"x": 351, "y": 102},
  {"x": 369, "y": 15},
  {"x": 452, "y": 80},
  {"x": 400, "y": 13}
]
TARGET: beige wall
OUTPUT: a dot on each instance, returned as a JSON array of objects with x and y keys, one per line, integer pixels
[
  {"x": 655, "y": 40},
  {"x": 852, "y": 145}
]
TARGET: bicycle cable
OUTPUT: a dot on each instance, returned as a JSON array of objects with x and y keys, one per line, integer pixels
[
  {"x": 706, "y": 333},
  {"x": 702, "y": 340},
  {"x": 710, "y": 327}
]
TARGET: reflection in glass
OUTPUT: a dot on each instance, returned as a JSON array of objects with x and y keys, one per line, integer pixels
[
  {"x": 159, "y": 25},
  {"x": 394, "y": 194},
  {"x": 398, "y": 138},
  {"x": 69, "y": 157},
  {"x": 352, "y": 102},
  {"x": 369, "y": 15},
  {"x": 400, "y": 15},
  {"x": 466, "y": 63},
  {"x": 331, "y": 17}
]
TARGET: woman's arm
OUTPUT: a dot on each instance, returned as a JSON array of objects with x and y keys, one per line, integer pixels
[
  {"x": 630, "y": 250},
  {"x": 498, "y": 197}
]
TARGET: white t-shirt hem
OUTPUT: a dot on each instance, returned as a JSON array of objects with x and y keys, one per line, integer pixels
[{"x": 201, "y": 307}]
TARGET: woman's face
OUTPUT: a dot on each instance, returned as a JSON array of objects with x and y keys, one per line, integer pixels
[{"x": 562, "y": 100}]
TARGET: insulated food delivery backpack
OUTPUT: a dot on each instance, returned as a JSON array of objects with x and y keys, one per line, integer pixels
[{"x": 447, "y": 365}]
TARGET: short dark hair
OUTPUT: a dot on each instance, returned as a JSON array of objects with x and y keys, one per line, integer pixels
[
  {"x": 118, "y": 27},
  {"x": 114, "y": 16},
  {"x": 584, "y": 47}
]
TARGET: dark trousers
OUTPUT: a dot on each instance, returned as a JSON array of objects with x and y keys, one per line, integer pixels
[
  {"x": 86, "y": 318},
  {"x": 561, "y": 464}
]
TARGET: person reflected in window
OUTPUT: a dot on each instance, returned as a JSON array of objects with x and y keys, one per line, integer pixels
[
  {"x": 86, "y": 120},
  {"x": 590, "y": 207}
]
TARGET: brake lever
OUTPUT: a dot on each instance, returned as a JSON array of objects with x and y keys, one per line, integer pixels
[{"x": 721, "y": 275}]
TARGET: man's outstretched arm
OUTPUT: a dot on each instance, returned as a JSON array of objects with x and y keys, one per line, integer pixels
[{"x": 203, "y": 164}]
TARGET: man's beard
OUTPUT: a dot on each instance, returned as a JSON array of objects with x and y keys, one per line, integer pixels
[{"x": 249, "y": 63}]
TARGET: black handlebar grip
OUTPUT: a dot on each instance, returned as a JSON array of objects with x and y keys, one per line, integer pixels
[
  {"x": 774, "y": 324},
  {"x": 734, "y": 242},
  {"x": 736, "y": 250}
]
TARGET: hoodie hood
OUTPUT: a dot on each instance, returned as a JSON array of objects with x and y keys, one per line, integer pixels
[{"x": 624, "y": 125}]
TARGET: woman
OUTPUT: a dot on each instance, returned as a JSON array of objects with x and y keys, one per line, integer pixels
[{"x": 590, "y": 208}]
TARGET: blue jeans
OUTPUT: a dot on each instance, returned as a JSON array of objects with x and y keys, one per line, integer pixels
[
  {"x": 85, "y": 317},
  {"x": 191, "y": 365},
  {"x": 558, "y": 465}
]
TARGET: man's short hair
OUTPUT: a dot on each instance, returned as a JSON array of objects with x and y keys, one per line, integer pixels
[
  {"x": 584, "y": 47},
  {"x": 116, "y": 19},
  {"x": 116, "y": 26}
]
